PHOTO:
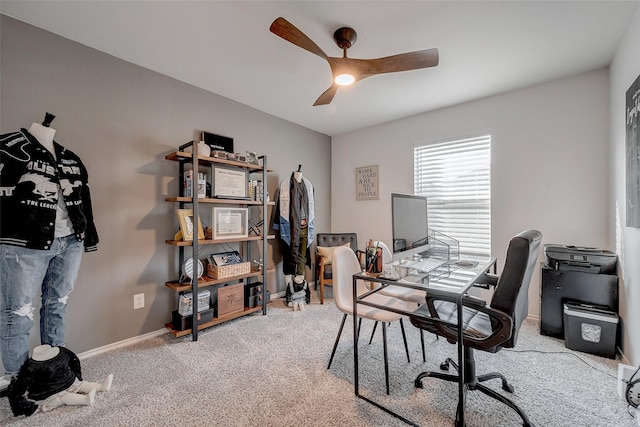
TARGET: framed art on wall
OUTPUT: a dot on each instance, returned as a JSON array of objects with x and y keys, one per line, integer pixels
[
  {"x": 230, "y": 223},
  {"x": 632, "y": 111},
  {"x": 367, "y": 183}
]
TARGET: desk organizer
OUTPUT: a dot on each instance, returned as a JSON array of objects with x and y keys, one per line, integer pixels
[{"x": 442, "y": 246}]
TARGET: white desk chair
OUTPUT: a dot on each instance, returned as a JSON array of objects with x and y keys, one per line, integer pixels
[
  {"x": 345, "y": 265},
  {"x": 404, "y": 294}
]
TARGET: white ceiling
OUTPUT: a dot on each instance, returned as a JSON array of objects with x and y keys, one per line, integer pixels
[{"x": 486, "y": 47}]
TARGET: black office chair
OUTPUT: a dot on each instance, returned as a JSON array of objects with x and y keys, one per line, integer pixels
[{"x": 486, "y": 327}]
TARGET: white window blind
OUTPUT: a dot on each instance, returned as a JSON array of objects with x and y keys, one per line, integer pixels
[{"x": 456, "y": 178}]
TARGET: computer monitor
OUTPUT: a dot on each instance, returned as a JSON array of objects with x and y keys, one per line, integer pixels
[{"x": 410, "y": 230}]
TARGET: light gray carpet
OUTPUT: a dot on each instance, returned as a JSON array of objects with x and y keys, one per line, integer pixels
[{"x": 271, "y": 371}]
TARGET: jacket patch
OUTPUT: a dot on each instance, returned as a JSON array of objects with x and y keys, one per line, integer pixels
[{"x": 44, "y": 188}]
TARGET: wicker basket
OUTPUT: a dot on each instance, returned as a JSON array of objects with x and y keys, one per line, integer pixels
[{"x": 229, "y": 270}]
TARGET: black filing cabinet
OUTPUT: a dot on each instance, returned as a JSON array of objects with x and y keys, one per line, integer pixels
[{"x": 561, "y": 286}]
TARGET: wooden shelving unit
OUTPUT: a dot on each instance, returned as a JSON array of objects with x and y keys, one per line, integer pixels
[{"x": 177, "y": 286}]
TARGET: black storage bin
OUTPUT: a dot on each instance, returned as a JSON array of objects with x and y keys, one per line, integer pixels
[
  {"x": 253, "y": 295},
  {"x": 590, "y": 329},
  {"x": 181, "y": 323}
]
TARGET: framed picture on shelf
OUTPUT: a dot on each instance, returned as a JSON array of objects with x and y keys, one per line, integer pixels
[
  {"x": 229, "y": 183},
  {"x": 230, "y": 223},
  {"x": 185, "y": 219}
]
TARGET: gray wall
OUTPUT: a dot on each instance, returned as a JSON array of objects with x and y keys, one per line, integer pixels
[
  {"x": 122, "y": 120},
  {"x": 625, "y": 69},
  {"x": 549, "y": 164}
]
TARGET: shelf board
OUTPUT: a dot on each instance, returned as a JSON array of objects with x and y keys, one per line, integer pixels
[
  {"x": 181, "y": 156},
  {"x": 209, "y": 281},
  {"x": 214, "y": 242},
  {"x": 221, "y": 201},
  {"x": 215, "y": 321}
]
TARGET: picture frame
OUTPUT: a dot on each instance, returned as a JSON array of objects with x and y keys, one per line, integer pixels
[
  {"x": 632, "y": 154},
  {"x": 367, "y": 186},
  {"x": 185, "y": 219},
  {"x": 230, "y": 223},
  {"x": 229, "y": 183}
]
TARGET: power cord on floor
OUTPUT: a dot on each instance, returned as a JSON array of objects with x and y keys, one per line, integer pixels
[
  {"x": 561, "y": 352},
  {"x": 632, "y": 392}
]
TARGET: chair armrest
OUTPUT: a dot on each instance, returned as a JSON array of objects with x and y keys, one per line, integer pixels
[
  {"x": 321, "y": 265},
  {"x": 501, "y": 323},
  {"x": 486, "y": 281}
]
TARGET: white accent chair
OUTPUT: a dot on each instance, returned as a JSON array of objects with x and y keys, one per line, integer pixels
[{"x": 345, "y": 265}]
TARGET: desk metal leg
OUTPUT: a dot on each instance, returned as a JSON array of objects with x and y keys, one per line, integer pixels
[
  {"x": 461, "y": 365},
  {"x": 355, "y": 338}
]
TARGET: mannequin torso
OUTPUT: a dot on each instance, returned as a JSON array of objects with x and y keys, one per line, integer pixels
[
  {"x": 44, "y": 352},
  {"x": 44, "y": 135}
]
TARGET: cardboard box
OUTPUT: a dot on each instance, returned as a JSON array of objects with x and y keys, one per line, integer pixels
[
  {"x": 590, "y": 329},
  {"x": 180, "y": 323},
  {"x": 230, "y": 299}
]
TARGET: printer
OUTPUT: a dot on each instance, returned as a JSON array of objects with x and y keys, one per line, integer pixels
[
  {"x": 577, "y": 258},
  {"x": 578, "y": 275}
]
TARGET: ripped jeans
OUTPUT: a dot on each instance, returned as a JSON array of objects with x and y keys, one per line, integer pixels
[{"x": 24, "y": 272}]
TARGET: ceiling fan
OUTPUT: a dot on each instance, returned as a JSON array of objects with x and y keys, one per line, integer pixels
[{"x": 349, "y": 70}]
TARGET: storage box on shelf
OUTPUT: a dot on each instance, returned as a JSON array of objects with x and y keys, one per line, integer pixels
[
  {"x": 230, "y": 299},
  {"x": 254, "y": 295},
  {"x": 226, "y": 281},
  {"x": 227, "y": 264},
  {"x": 225, "y": 271},
  {"x": 183, "y": 323}
]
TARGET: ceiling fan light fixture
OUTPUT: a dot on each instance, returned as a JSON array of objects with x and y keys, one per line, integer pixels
[
  {"x": 345, "y": 70},
  {"x": 344, "y": 79}
]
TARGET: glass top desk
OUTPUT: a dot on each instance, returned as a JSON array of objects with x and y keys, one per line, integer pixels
[{"x": 449, "y": 280}]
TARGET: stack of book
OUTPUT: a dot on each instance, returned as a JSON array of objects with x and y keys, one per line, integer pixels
[
  {"x": 255, "y": 189},
  {"x": 188, "y": 184}
]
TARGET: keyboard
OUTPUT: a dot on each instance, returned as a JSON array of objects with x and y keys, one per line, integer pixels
[{"x": 425, "y": 265}]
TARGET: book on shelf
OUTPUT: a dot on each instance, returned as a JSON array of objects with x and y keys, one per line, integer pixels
[
  {"x": 255, "y": 189},
  {"x": 225, "y": 258},
  {"x": 188, "y": 184}
]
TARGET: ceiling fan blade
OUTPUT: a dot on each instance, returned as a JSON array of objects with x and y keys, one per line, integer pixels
[
  {"x": 285, "y": 29},
  {"x": 391, "y": 64},
  {"x": 327, "y": 96}
]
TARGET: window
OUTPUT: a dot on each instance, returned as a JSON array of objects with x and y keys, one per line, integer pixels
[{"x": 455, "y": 177}]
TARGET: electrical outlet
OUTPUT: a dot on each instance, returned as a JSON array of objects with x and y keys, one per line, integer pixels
[
  {"x": 138, "y": 301},
  {"x": 624, "y": 373}
]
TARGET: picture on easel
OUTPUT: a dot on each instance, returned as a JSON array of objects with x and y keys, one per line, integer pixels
[{"x": 185, "y": 219}]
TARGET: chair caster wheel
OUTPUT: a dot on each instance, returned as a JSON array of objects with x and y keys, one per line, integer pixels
[
  {"x": 444, "y": 366},
  {"x": 418, "y": 384},
  {"x": 507, "y": 387}
]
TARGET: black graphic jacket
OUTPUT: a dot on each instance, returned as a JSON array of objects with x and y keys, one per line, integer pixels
[{"x": 29, "y": 180}]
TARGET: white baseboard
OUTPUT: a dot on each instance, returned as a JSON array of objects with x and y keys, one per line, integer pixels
[
  {"x": 140, "y": 338},
  {"x": 123, "y": 343}
]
